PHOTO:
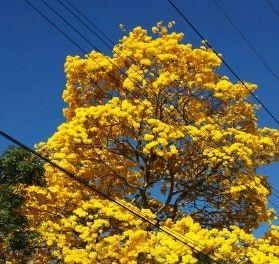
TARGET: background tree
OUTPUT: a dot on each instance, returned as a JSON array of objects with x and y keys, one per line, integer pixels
[
  {"x": 18, "y": 168},
  {"x": 156, "y": 126}
]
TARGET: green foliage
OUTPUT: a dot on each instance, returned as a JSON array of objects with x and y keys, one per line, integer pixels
[
  {"x": 17, "y": 166},
  {"x": 20, "y": 166}
]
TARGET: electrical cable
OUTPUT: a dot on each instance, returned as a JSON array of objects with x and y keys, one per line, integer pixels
[
  {"x": 224, "y": 62},
  {"x": 91, "y": 23},
  {"x": 88, "y": 20},
  {"x": 248, "y": 42},
  {"x": 273, "y": 8}
]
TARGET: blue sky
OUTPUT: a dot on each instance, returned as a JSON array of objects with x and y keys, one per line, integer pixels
[{"x": 33, "y": 53}]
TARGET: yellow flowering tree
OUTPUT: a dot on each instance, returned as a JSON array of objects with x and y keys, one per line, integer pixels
[{"x": 158, "y": 128}]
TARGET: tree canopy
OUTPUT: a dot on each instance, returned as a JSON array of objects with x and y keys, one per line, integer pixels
[
  {"x": 18, "y": 169},
  {"x": 156, "y": 126}
]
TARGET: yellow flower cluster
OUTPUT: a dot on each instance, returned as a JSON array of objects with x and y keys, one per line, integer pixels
[
  {"x": 165, "y": 121},
  {"x": 112, "y": 235},
  {"x": 163, "y": 138}
]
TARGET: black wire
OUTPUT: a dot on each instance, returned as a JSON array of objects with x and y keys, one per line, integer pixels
[
  {"x": 71, "y": 175},
  {"x": 56, "y": 27},
  {"x": 64, "y": 34},
  {"x": 260, "y": 57},
  {"x": 92, "y": 31},
  {"x": 275, "y": 193},
  {"x": 274, "y": 204},
  {"x": 86, "y": 18},
  {"x": 92, "y": 45},
  {"x": 218, "y": 5},
  {"x": 273, "y": 8},
  {"x": 70, "y": 25},
  {"x": 107, "y": 37},
  {"x": 100, "y": 38},
  {"x": 224, "y": 62}
]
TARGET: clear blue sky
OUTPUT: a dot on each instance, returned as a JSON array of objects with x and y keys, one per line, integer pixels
[{"x": 32, "y": 54}]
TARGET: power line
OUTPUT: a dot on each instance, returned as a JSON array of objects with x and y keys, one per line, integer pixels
[
  {"x": 72, "y": 27},
  {"x": 273, "y": 8},
  {"x": 218, "y": 5},
  {"x": 56, "y": 27},
  {"x": 92, "y": 31},
  {"x": 83, "y": 23},
  {"x": 224, "y": 62},
  {"x": 88, "y": 20},
  {"x": 274, "y": 193},
  {"x": 277, "y": 193},
  {"x": 274, "y": 205},
  {"x": 243, "y": 36}
]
